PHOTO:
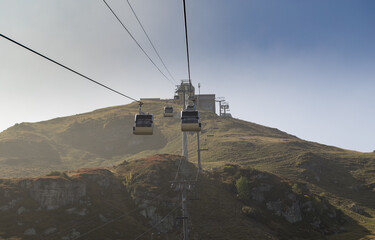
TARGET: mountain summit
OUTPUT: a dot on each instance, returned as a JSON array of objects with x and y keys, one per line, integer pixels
[{"x": 103, "y": 138}]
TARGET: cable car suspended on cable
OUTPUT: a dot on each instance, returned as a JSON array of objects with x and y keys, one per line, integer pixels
[
  {"x": 143, "y": 123},
  {"x": 190, "y": 120},
  {"x": 168, "y": 111}
]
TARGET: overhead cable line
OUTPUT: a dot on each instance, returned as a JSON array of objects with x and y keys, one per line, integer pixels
[
  {"x": 101, "y": 226},
  {"x": 66, "y": 228},
  {"x": 121, "y": 216},
  {"x": 161, "y": 220},
  {"x": 187, "y": 43},
  {"x": 131, "y": 35},
  {"x": 61, "y": 65},
  {"x": 153, "y": 46},
  {"x": 178, "y": 168}
]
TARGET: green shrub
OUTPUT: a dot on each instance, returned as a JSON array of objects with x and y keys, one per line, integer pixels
[
  {"x": 296, "y": 189},
  {"x": 249, "y": 211},
  {"x": 243, "y": 189}
]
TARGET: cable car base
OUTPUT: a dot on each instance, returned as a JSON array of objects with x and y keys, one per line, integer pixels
[
  {"x": 191, "y": 127},
  {"x": 142, "y": 130}
]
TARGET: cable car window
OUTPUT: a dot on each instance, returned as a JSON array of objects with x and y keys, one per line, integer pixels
[
  {"x": 190, "y": 114},
  {"x": 168, "y": 110},
  {"x": 143, "y": 121},
  {"x": 190, "y": 117}
]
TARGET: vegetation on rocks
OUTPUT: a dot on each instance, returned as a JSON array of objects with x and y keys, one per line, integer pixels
[{"x": 102, "y": 138}]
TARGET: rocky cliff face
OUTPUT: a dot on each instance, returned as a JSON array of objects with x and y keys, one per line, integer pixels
[
  {"x": 54, "y": 192},
  {"x": 38, "y": 207},
  {"x": 146, "y": 184},
  {"x": 267, "y": 198},
  {"x": 125, "y": 201}
]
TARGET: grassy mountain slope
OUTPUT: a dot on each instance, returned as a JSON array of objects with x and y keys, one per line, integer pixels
[{"x": 103, "y": 138}]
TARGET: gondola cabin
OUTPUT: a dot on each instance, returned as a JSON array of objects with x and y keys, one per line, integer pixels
[
  {"x": 168, "y": 111},
  {"x": 143, "y": 124},
  {"x": 190, "y": 121}
]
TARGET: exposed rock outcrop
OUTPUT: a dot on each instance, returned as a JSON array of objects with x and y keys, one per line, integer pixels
[
  {"x": 355, "y": 208},
  {"x": 54, "y": 192}
]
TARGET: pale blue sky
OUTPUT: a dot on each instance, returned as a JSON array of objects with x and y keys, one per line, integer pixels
[{"x": 304, "y": 67}]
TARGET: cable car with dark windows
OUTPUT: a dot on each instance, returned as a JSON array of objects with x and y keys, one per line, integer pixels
[
  {"x": 168, "y": 111},
  {"x": 143, "y": 123},
  {"x": 190, "y": 120}
]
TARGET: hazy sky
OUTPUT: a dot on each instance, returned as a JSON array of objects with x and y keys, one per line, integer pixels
[{"x": 304, "y": 67}]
